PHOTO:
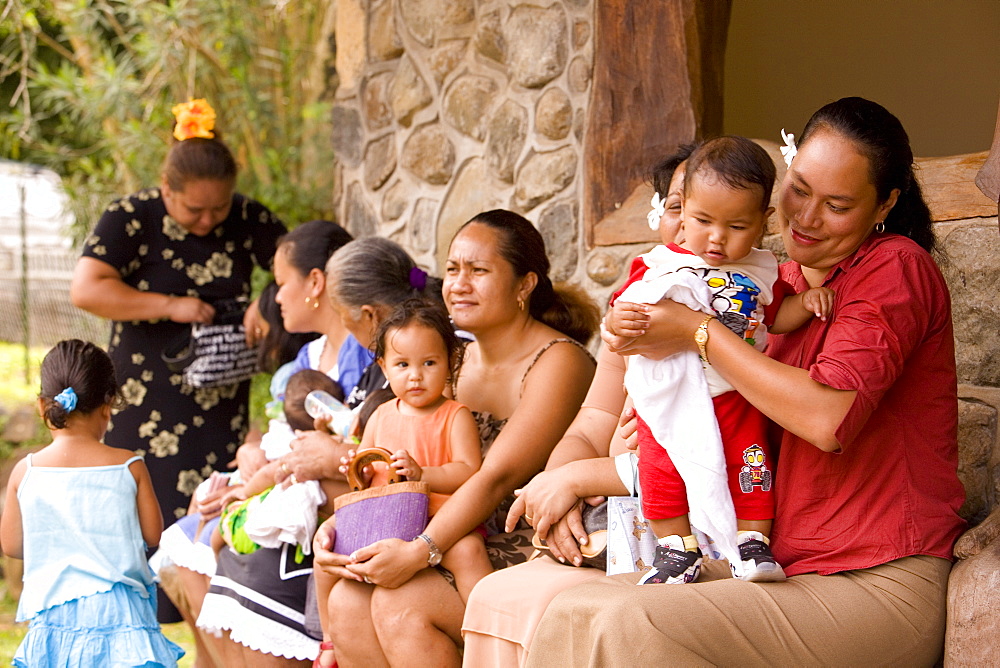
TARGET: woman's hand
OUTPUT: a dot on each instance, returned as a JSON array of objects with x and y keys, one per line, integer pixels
[
  {"x": 615, "y": 342},
  {"x": 211, "y": 506},
  {"x": 325, "y": 558},
  {"x": 389, "y": 563},
  {"x": 567, "y": 535},
  {"x": 189, "y": 309},
  {"x": 671, "y": 330},
  {"x": 254, "y": 325},
  {"x": 543, "y": 501},
  {"x": 314, "y": 456}
]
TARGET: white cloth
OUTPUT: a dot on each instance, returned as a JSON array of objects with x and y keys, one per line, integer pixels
[
  {"x": 674, "y": 396},
  {"x": 314, "y": 351},
  {"x": 277, "y": 441},
  {"x": 286, "y": 515}
]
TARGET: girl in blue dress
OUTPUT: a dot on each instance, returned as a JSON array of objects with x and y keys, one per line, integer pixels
[{"x": 81, "y": 514}]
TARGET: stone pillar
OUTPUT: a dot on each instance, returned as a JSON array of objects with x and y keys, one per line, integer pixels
[{"x": 447, "y": 108}]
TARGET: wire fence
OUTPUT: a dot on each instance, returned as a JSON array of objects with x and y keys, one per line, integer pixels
[{"x": 36, "y": 266}]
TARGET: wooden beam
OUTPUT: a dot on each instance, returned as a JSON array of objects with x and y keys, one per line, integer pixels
[{"x": 950, "y": 190}]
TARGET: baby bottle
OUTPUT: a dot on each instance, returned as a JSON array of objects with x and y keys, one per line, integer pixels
[{"x": 319, "y": 403}]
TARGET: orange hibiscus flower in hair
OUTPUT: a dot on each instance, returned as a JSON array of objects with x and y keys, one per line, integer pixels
[{"x": 195, "y": 118}]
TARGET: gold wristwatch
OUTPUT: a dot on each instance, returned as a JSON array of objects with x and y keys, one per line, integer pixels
[{"x": 701, "y": 338}]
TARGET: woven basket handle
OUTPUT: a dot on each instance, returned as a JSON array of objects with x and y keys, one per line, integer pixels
[{"x": 363, "y": 458}]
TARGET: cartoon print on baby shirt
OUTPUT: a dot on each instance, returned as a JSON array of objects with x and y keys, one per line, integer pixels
[
  {"x": 734, "y": 299},
  {"x": 755, "y": 473},
  {"x": 639, "y": 527}
]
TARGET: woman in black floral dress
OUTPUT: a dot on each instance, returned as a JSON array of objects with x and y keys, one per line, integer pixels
[{"x": 157, "y": 261}]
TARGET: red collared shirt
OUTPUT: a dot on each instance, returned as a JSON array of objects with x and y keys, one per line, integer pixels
[{"x": 892, "y": 490}]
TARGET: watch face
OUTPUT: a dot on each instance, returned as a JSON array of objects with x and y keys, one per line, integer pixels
[{"x": 701, "y": 336}]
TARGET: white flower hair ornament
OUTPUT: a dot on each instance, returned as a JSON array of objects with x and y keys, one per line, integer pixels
[
  {"x": 659, "y": 205},
  {"x": 788, "y": 150}
]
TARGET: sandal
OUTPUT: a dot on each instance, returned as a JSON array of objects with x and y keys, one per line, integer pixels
[{"x": 325, "y": 646}]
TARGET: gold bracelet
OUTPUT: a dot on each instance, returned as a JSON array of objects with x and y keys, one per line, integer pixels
[{"x": 701, "y": 338}]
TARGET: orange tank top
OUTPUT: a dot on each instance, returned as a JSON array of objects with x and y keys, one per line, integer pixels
[{"x": 425, "y": 437}]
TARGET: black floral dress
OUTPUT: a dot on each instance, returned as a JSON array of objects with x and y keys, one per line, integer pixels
[{"x": 184, "y": 433}]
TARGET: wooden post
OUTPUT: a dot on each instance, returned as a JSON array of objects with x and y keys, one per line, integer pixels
[{"x": 658, "y": 77}]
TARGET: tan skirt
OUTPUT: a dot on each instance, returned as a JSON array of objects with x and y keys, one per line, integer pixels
[
  {"x": 505, "y": 607},
  {"x": 888, "y": 615}
]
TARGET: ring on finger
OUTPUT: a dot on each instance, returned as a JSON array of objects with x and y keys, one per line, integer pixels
[
  {"x": 293, "y": 479},
  {"x": 285, "y": 469},
  {"x": 528, "y": 518},
  {"x": 368, "y": 580}
]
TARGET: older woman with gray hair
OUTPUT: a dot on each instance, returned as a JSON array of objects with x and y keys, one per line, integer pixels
[
  {"x": 523, "y": 378},
  {"x": 259, "y": 600}
]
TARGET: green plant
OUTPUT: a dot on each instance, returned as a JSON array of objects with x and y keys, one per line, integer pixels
[{"x": 90, "y": 84}]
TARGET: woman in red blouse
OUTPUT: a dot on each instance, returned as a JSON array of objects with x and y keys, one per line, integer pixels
[{"x": 867, "y": 491}]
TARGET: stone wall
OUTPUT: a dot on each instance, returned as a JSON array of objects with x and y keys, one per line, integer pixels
[
  {"x": 446, "y": 108},
  {"x": 971, "y": 249}
]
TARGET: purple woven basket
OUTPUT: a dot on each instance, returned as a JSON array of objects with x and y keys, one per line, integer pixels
[{"x": 364, "y": 516}]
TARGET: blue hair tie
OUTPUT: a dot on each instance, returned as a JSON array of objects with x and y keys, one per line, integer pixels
[
  {"x": 418, "y": 278},
  {"x": 66, "y": 399}
]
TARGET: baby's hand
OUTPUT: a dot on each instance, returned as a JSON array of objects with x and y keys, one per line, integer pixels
[
  {"x": 345, "y": 461},
  {"x": 627, "y": 319},
  {"x": 819, "y": 301},
  {"x": 366, "y": 474},
  {"x": 614, "y": 342},
  {"x": 234, "y": 493},
  {"x": 404, "y": 465}
]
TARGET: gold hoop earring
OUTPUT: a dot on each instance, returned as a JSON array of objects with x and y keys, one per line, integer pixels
[
  {"x": 520, "y": 303},
  {"x": 880, "y": 227}
]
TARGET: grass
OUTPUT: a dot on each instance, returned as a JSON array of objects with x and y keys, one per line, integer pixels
[{"x": 18, "y": 387}]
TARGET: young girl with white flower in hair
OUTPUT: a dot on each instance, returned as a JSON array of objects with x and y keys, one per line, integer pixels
[{"x": 81, "y": 514}]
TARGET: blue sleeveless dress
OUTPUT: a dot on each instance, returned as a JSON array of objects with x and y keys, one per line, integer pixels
[{"x": 88, "y": 590}]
